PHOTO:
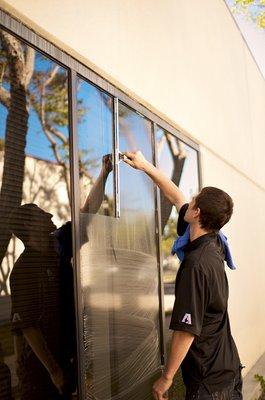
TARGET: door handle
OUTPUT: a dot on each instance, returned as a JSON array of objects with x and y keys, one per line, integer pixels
[{"x": 117, "y": 157}]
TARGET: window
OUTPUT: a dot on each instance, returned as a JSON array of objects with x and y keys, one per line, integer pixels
[
  {"x": 115, "y": 229},
  {"x": 37, "y": 303},
  {"x": 119, "y": 276},
  {"x": 179, "y": 162},
  {"x": 95, "y": 148}
]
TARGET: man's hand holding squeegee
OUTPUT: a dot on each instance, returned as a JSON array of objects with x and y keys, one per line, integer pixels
[{"x": 171, "y": 191}]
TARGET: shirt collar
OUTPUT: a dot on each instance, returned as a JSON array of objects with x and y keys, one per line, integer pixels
[{"x": 199, "y": 241}]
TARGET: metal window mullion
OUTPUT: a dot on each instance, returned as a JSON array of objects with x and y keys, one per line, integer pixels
[
  {"x": 116, "y": 155},
  {"x": 159, "y": 253},
  {"x": 75, "y": 211}
]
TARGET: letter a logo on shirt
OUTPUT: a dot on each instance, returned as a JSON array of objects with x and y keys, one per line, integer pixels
[
  {"x": 16, "y": 317},
  {"x": 187, "y": 319}
]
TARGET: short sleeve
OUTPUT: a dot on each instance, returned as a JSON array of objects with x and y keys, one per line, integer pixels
[
  {"x": 182, "y": 225},
  {"x": 190, "y": 301},
  {"x": 25, "y": 298}
]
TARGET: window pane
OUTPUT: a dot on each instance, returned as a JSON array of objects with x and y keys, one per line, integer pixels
[
  {"x": 95, "y": 144},
  {"x": 35, "y": 244},
  {"x": 139, "y": 273},
  {"x": 179, "y": 162},
  {"x": 119, "y": 278},
  {"x": 95, "y": 137}
]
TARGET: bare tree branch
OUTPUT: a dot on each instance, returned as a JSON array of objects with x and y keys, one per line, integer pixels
[
  {"x": 177, "y": 150},
  {"x": 51, "y": 76},
  {"x": 57, "y": 133},
  {"x": 176, "y": 146},
  {"x": 160, "y": 145},
  {"x": 83, "y": 171},
  {"x": 182, "y": 150},
  {"x": 171, "y": 140},
  {"x": 29, "y": 64}
]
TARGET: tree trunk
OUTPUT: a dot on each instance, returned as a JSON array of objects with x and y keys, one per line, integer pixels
[
  {"x": 166, "y": 206},
  {"x": 14, "y": 159}
]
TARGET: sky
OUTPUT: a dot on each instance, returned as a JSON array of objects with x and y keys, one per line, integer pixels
[{"x": 254, "y": 36}]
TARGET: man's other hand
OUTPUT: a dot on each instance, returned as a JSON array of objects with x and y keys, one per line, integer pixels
[
  {"x": 58, "y": 380},
  {"x": 161, "y": 387},
  {"x": 107, "y": 164}
]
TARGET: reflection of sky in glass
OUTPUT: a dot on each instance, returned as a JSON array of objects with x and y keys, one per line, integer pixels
[
  {"x": 135, "y": 134},
  {"x": 37, "y": 144},
  {"x": 189, "y": 177},
  {"x": 95, "y": 129}
]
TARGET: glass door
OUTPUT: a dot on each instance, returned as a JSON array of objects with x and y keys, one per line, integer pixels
[{"x": 118, "y": 256}]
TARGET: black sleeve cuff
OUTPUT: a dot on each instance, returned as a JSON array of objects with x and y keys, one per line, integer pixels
[
  {"x": 182, "y": 225},
  {"x": 184, "y": 328}
]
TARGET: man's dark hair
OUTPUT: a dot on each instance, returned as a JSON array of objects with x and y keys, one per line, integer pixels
[{"x": 216, "y": 208}]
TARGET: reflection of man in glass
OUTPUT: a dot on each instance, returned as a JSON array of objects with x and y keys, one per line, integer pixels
[
  {"x": 42, "y": 293},
  {"x": 5, "y": 378},
  {"x": 202, "y": 342}
]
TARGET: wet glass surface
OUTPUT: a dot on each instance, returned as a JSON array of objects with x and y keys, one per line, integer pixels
[
  {"x": 120, "y": 282},
  {"x": 118, "y": 256},
  {"x": 179, "y": 162},
  {"x": 37, "y": 321}
]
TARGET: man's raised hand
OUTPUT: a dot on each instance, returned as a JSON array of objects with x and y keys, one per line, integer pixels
[{"x": 135, "y": 159}]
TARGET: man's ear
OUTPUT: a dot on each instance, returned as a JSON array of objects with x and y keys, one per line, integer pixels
[{"x": 197, "y": 212}]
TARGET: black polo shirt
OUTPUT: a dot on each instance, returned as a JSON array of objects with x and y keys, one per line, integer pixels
[
  {"x": 201, "y": 295},
  {"x": 42, "y": 294}
]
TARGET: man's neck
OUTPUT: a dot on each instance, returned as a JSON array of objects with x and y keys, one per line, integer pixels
[{"x": 196, "y": 231}]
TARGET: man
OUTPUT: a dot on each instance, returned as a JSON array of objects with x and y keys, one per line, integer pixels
[
  {"x": 42, "y": 294},
  {"x": 202, "y": 343}
]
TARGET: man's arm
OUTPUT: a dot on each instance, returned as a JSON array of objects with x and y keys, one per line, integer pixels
[
  {"x": 96, "y": 195},
  {"x": 181, "y": 342},
  {"x": 39, "y": 346},
  {"x": 170, "y": 190}
]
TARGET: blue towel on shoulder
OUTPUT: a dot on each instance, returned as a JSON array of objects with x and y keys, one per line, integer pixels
[{"x": 181, "y": 241}]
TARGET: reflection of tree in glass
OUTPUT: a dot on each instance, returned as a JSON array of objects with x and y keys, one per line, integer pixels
[
  {"x": 178, "y": 154},
  {"x": 169, "y": 235},
  {"x": 170, "y": 145},
  {"x": 17, "y": 64},
  {"x": 48, "y": 96},
  {"x": 29, "y": 84},
  {"x": 254, "y": 10},
  {"x": 100, "y": 105}
]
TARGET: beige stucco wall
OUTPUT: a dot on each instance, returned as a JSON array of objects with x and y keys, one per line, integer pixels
[{"x": 186, "y": 59}]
